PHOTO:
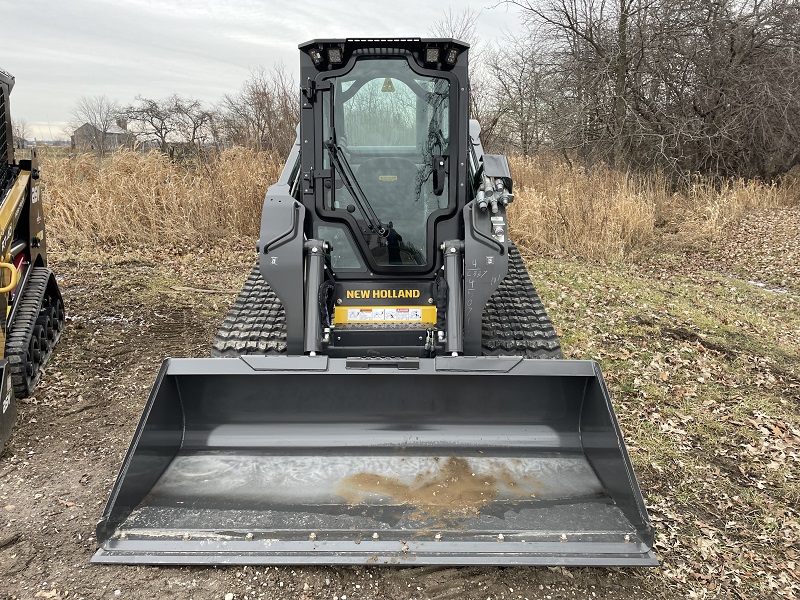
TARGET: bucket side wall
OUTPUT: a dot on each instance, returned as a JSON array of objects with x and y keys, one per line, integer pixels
[
  {"x": 604, "y": 447},
  {"x": 156, "y": 442}
]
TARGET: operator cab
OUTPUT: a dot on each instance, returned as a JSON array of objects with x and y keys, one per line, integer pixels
[{"x": 384, "y": 127}]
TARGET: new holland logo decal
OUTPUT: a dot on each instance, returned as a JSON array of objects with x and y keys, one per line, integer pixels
[{"x": 383, "y": 294}]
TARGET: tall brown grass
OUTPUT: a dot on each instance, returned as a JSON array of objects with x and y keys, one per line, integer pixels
[
  {"x": 134, "y": 198},
  {"x": 597, "y": 215},
  {"x": 606, "y": 214},
  {"x": 602, "y": 214}
]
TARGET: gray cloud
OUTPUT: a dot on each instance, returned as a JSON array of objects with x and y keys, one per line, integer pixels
[{"x": 60, "y": 51}]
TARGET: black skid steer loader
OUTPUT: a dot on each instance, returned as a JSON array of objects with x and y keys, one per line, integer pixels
[{"x": 381, "y": 401}]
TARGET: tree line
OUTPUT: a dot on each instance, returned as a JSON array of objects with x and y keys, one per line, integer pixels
[
  {"x": 684, "y": 86},
  {"x": 262, "y": 115}
]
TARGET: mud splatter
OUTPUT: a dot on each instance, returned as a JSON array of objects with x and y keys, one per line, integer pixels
[{"x": 452, "y": 489}]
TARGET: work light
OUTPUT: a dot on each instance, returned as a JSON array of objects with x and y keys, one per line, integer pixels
[
  {"x": 335, "y": 55},
  {"x": 316, "y": 56}
]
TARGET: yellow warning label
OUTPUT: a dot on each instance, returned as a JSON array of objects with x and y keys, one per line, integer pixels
[
  {"x": 385, "y": 314},
  {"x": 388, "y": 177}
]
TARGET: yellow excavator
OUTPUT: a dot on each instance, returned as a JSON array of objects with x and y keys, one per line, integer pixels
[{"x": 29, "y": 296}]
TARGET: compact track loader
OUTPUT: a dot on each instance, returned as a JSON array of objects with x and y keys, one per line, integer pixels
[
  {"x": 378, "y": 394},
  {"x": 29, "y": 294}
]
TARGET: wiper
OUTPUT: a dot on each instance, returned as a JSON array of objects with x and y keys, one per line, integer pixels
[{"x": 342, "y": 167}]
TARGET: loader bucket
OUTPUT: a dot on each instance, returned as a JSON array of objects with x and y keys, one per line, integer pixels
[{"x": 311, "y": 460}]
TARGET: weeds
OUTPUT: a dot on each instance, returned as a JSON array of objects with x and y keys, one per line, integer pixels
[
  {"x": 132, "y": 198},
  {"x": 606, "y": 215},
  {"x": 601, "y": 215}
]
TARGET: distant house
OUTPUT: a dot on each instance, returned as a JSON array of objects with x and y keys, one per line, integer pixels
[{"x": 88, "y": 137}]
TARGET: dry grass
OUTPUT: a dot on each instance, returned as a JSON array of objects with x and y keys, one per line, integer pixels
[
  {"x": 706, "y": 209},
  {"x": 606, "y": 214},
  {"x": 133, "y": 199},
  {"x": 602, "y": 215}
]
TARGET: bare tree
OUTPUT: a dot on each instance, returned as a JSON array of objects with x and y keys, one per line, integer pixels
[
  {"x": 526, "y": 106},
  {"x": 92, "y": 120},
  {"x": 265, "y": 111},
  {"x": 594, "y": 37},
  {"x": 709, "y": 86},
  {"x": 745, "y": 105},
  {"x": 153, "y": 120},
  {"x": 193, "y": 122},
  {"x": 461, "y": 25},
  {"x": 172, "y": 122}
]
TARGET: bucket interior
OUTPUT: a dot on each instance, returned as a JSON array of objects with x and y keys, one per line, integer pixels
[{"x": 408, "y": 458}]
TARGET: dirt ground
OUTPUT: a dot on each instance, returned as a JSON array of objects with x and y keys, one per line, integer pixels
[{"x": 126, "y": 313}]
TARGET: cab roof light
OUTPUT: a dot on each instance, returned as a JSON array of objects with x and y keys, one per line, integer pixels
[
  {"x": 316, "y": 56},
  {"x": 451, "y": 56},
  {"x": 432, "y": 54},
  {"x": 335, "y": 55}
]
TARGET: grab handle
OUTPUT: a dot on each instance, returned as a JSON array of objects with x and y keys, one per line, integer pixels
[{"x": 14, "y": 277}]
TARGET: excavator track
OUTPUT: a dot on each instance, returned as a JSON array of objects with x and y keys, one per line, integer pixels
[
  {"x": 255, "y": 324},
  {"x": 515, "y": 321},
  {"x": 36, "y": 328}
]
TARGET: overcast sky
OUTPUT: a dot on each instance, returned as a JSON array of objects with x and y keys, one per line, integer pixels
[{"x": 60, "y": 50}]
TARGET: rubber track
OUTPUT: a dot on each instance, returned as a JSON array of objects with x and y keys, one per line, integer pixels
[
  {"x": 19, "y": 335},
  {"x": 255, "y": 324},
  {"x": 515, "y": 321}
]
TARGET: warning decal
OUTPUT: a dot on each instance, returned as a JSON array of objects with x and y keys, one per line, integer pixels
[{"x": 380, "y": 314}]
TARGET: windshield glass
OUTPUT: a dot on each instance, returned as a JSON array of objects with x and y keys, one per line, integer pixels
[{"x": 388, "y": 129}]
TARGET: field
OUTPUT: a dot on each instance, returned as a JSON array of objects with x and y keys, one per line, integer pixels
[{"x": 690, "y": 301}]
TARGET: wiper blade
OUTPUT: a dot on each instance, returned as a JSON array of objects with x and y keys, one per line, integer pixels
[{"x": 341, "y": 166}]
